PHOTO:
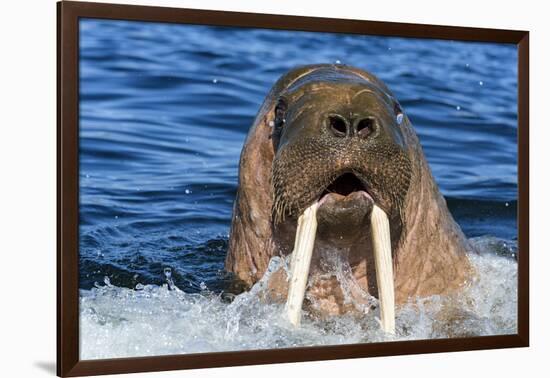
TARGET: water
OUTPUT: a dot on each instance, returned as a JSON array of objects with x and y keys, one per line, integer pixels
[{"x": 164, "y": 111}]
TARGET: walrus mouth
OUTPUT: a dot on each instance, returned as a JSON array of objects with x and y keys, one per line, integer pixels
[{"x": 344, "y": 185}]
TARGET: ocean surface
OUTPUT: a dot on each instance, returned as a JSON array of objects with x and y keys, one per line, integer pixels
[{"x": 164, "y": 111}]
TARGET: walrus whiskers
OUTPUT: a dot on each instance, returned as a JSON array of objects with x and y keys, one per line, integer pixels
[
  {"x": 300, "y": 262},
  {"x": 384, "y": 268}
]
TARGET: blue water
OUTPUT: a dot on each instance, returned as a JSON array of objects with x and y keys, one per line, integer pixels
[{"x": 164, "y": 110}]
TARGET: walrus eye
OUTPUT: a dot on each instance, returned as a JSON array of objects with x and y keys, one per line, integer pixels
[
  {"x": 280, "y": 111},
  {"x": 279, "y": 121}
]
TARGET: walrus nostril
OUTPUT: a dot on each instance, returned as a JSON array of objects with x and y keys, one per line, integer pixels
[
  {"x": 338, "y": 125},
  {"x": 366, "y": 127}
]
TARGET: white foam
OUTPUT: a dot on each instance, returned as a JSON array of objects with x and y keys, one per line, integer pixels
[{"x": 154, "y": 320}]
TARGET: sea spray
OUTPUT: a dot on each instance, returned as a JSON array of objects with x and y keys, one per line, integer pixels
[{"x": 154, "y": 320}]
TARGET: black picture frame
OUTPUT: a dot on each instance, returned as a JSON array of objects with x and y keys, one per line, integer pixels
[{"x": 69, "y": 13}]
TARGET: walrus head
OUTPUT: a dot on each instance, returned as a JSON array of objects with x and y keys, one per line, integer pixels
[
  {"x": 332, "y": 168},
  {"x": 339, "y": 142}
]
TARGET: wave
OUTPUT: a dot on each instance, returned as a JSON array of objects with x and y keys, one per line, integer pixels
[{"x": 151, "y": 320}]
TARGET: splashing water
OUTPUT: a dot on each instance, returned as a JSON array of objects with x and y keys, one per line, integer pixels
[{"x": 161, "y": 320}]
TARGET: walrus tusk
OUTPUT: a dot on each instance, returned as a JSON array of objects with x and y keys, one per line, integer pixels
[
  {"x": 384, "y": 268},
  {"x": 300, "y": 262}
]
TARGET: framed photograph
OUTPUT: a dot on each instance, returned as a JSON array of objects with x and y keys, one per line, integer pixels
[{"x": 238, "y": 188}]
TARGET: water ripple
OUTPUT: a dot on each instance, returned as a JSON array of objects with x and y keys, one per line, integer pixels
[{"x": 165, "y": 108}]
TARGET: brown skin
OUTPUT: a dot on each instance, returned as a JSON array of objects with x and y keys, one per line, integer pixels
[{"x": 332, "y": 132}]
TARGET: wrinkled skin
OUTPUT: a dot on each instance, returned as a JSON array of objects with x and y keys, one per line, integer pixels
[{"x": 336, "y": 134}]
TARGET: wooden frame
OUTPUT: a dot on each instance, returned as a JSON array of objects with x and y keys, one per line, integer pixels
[{"x": 68, "y": 363}]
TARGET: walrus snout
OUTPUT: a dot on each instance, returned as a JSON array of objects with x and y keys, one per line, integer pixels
[{"x": 321, "y": 130}]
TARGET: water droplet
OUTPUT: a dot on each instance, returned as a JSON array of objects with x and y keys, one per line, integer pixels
[
  {"x": 458, "y": 108},
  {"x": 215, "y": 81},
  {"x": 116, "y": 216},
  {"x": 506, "y": 204},
  {"x": 481, "y": 83},
  {"x": 338, "y": 61},
  {"x": 399, "y": 118},
  {"x": 107, "y": 281},
  {"x": 187, "y": 191},
  {"x": 467, "y": 65},
  {"x": 140, "y": 286},
  {"x": 169, "y": 280},
  {"x": 203, "y": 286},
  {"x": 87, "y": 176},
  {"x": 389, "y": 48}
]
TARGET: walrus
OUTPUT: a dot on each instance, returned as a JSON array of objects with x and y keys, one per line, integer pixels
[{"x": 333, "y": 170}]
